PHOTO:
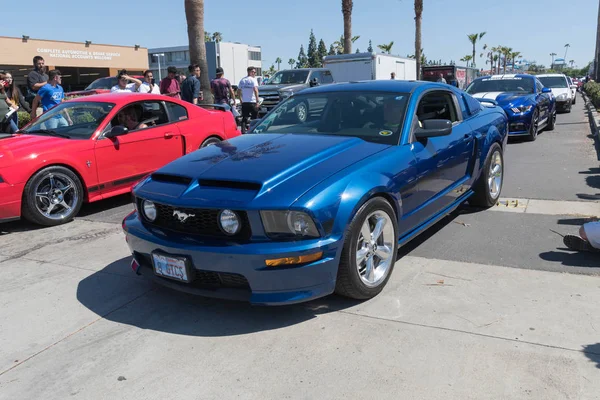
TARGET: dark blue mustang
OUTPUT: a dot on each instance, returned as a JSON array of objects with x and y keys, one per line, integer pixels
[
  {"x": 529, "y": 105},
  {"x": 303, "y": 207}
]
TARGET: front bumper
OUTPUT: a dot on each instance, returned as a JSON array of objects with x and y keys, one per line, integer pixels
[
  {"x": 563, "y": 105},
  {"x": 10, "y": 201},
  {"x": 519, "y": 124},
  {"x": 238, "y": 271}
]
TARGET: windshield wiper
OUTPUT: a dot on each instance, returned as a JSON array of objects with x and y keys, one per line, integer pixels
[{"x": 49, "y": 132}]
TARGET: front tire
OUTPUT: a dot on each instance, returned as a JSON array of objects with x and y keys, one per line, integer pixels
[
  {"x": 489, "y": 185},
  {"x": 369, "y": 251},
  {"x": 552, "y": 121},
  {"x": 302, "y": 112},
  {"x": 534, "y": 126},
  {"x": 53, "y": 196}
]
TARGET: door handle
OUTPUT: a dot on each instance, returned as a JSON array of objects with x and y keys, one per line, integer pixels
[{"x": 168, "y": 135}]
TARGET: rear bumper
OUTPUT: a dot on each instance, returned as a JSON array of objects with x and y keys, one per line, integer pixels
[
  {"x": 10, "y": 201},
  {"x": 238, "y": 271}
]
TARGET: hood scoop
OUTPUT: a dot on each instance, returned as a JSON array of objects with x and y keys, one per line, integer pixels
[
  {"x": 168, "y": 178},
  {"x": 214, "y": 183}
]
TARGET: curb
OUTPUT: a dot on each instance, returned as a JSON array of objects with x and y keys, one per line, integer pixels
[{"x": 594, "y": 118}]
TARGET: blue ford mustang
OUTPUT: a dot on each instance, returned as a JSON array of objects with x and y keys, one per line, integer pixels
[
  {"x": 301, "y": 208},
  {"x": 530, "y": 106}
]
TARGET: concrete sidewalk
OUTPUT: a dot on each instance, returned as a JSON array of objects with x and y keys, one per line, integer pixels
[{"x": 75, "y": 322}]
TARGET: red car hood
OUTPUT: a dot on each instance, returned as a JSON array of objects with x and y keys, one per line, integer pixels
[{"x": 27, "y": 148}]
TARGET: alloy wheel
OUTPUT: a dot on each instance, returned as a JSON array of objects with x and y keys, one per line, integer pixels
[{"x": 374, "y": 248}]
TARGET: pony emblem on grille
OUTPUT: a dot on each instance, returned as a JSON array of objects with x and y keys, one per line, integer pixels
[{"x": 181, "y": 216}]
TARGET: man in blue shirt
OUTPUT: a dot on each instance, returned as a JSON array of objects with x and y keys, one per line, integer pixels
[{"x": 50, "y": 95}]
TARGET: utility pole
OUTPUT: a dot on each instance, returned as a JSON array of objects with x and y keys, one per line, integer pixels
[{"x": 596, "y": 71}]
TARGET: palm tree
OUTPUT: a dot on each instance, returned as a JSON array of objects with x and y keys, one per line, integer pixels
[
  {"x": 566, "y": 49},
  {"x": 467, "y": 58},
  {"x": 291, "y": 61},
  {"x": 473, "y": 38},
  {"x": 194, "y": 14},
  {"x": 506, "y": 53},
  {"x": 572, "y": 62},
  {"x": 217, "y": 37},
  {"x": 339, "y": 44},
  {"x": 552, "y": 64},
  {"x": 513, "y": 57},
  {"x": 278, "y": 62},
  {"x": 418, "y": 50},
  {"x": 207, "y": 36},
  {"x": 386, "y": 48},
  {"x": 496, "y": 59},
  {"x": 347, "y": 12}
]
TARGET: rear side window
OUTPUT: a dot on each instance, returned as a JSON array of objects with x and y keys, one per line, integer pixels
[
  {"x": 473, "y": 104},
  {"x": 176, "y": 112},
  {"x": 326, "y": 77}
]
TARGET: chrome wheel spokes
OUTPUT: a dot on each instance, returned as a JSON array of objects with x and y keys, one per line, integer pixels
[
  {"x": 495, "y": 175},
  {"x": 55, "y": 196},
  {"x": 374, "y": 248}
]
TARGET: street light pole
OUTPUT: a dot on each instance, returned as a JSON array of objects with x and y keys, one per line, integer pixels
[{"x": 159, "y": 55}]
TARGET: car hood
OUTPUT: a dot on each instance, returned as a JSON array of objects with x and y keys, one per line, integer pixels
[
  {"x": 273, "y": 88},
  {"x": 257, "y": 169},
  {"x": 21, "y": 148},
  {"x": 506, "y": 99},
  {"x": 558, "y": 91}
]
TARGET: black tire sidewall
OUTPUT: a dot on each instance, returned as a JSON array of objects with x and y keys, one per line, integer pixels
[
  {"x": 210, "y": 141},
  {"x": 490, "y": 199},
  {"x": 305, "y": 104},
  {"x": 533, "y": 136},
  {"x": 353, "y": 233},
  {"x": 30, "y": 211}
]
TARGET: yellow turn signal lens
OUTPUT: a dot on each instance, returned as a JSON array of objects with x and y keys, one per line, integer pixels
[{"x": 294, "y": 260}]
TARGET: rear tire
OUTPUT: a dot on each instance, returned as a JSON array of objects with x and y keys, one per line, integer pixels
[
  {"x": 488, "y": 188},
  {"x": 362, "y": 249},
  {"x": 302, "y": 112},
  {"x": 210, "y": 141}
]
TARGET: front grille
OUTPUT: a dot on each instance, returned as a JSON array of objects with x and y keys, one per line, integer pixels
[
  {"x": 270, "y": 99},
  {"x": 201, "y": 222}
]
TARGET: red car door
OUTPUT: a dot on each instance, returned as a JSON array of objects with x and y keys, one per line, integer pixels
[{"x": 123, "y": 160}]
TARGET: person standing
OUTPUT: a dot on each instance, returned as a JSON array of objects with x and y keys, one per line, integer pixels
[
  {"x": 221, "y": 88},
  {"x": 393, "y": 76},
  {"x": 50, "y": 95},
  {"x": 7, "y": 106},
  {"x": 14, "y": 94},
  {"x": 123, "y": 87},
  {"x": 441, "y": 78},
  {"x": 248, "y": 91},
  {"x": 169, "y": 86},
  {"x": 147, "y": 85},
  {"x": 35, "y": 80},
  {"x": 190, "y": 88}
]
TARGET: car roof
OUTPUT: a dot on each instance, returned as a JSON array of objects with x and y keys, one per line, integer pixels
[
  {"x": 507, "y": 76},
  {"x": 545, "y": 75},
  {"x": 387, "y": 85},
  {"x": 120, "y": 98}
]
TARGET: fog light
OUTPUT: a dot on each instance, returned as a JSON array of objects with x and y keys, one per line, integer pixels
[
  {"x": 294, "y": 260},
  {"x": 229, "y": 222},
  {"x": 149, "y": 210}
]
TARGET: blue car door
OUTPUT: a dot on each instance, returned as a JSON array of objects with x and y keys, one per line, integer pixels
[
  {"x": 543, "y": 102},
  {"x": 442, "y": 162}
]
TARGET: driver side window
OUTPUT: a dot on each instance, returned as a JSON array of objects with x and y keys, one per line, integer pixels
[
  {"x": 141, "y": 115},
  {"x": 437, "y": 105}
]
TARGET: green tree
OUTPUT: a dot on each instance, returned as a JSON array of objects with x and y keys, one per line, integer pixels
[
  {"x": 322, "y": 51},
  {"x": 302, "y": 59},
  {"x": 331, "y": 50},
  {"x": 291, "y": 61},
  {"x": 467, "y": 58},
  {"x": 474, "y": 38},
  {"x": 347, "y": 13},
  {"x": 370, "y": 48},
  {"x": 217, "y": 37},
  {"x": 272, "y": 70},
  {"x": 339, "y": 44},
  {"x": 386, "y": 48},
  {"x": 278, "y": 62},
  {"x": 313, "y": 55},
  {"x": 207, "y": 36}
]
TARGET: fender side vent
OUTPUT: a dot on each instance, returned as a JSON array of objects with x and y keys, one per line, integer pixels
[
  {"x": 230, "y": 184},
  {"x": 183, "y": 180}
]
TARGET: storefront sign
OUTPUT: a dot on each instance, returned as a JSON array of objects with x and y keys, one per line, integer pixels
[{"x": 78, "y": 54}]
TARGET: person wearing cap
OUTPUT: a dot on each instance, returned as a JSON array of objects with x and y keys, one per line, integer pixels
[
  {"x": 221, "y": 88},
  {"x": 190, "y": 87}
]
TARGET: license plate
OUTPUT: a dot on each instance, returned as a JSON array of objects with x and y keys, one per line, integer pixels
[{"x": 171, "y": 267}]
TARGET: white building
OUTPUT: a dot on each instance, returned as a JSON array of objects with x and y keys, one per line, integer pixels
[{"x": 234, "y": 58}]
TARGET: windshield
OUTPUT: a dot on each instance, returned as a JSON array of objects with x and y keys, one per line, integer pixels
[
  {"x": 72, "y": 120},
  {"x": 372, "y": 116},
  {"x": 520, "y": 85},
  {"x": 102, "y": 83},
  {"x": 289, "y": 77},
  {"x": 553, "y": 82}
]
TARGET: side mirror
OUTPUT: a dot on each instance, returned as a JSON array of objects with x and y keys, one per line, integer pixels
[
  {"x": 546, "y": 90},
  {"x": 118, "y": 130},
  {"x": 434, "y": 128}
]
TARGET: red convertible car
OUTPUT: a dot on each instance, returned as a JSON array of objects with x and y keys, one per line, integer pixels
[{"x": 94, "y": 147}]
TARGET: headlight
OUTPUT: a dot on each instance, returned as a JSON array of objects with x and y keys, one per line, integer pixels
[
  {"x": 229, "y": 222},
  {"x": 563, "y": 96},
  {"x": 285, "y": 94},
  {"x": 521, "y": 109},
  {"x": 149, "y": 210},
  {"x": 289, "y": 224}
]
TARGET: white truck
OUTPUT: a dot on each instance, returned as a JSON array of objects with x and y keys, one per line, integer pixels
[{"x": 369, "y": 66}]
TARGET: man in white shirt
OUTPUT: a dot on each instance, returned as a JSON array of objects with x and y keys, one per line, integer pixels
[
  {"x": 248, "y": 93},
  {"x": 123, "y": 87},
  {"x": 147, "y": 86}
]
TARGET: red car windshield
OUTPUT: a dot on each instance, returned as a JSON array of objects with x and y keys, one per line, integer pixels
[{"x": 71, "y": 120}]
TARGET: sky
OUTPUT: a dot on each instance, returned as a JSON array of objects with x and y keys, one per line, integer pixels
[{"x": 536, "y": 28}]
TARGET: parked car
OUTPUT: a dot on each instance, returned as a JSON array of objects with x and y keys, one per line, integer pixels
[
  {"x": 530, "y": 106},
  {"x": 561, "y": 89},
  {"x": 298, "y": 209},
  {"x": 573, "y": 87},
  {"x": 95, "y": 147},
  {"x": 287, "y": 82},
  {"x": 99, "y": 86}
]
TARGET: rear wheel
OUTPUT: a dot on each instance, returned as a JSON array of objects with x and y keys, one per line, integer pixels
[
  {"x": 302, "y": 112},
  {"x": 53, "y": 196},
  {"x": 489, "y": 185},
  {"x": 369, "y": 251},
  {"x": 210, "y": 141}
]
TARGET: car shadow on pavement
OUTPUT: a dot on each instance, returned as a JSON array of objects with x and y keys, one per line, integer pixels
[
  {"x": 576, "y": 221},
  {"x": 19, "y": 226},
  {"x": 592, "y": 351},
  {"x": 150, "y": 306},
  {"x": 105, "y": 205},
  {"x": 570, "y": 258}
]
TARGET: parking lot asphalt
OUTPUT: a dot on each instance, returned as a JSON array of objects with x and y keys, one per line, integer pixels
[{"x": 485, "y": 305}]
